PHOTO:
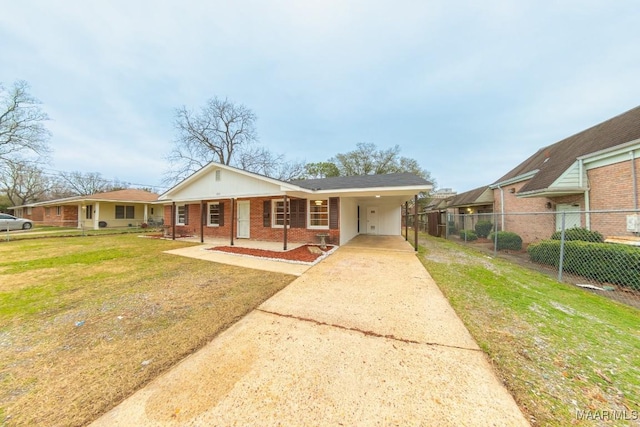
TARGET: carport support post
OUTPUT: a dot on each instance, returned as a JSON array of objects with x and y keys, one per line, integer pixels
[
  {"x": 415, "y": 222},
  {"x": 233, "y": 214},
  {"x": 406, "y": 221},
  {"x": 173, "y": 220},
  {"x": 202, "y": 217},
  {"x": 286, "y": 218}
]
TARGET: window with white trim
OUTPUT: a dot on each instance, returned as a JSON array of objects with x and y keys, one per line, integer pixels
[
  {"x": 213, "y": 215},
  {"x": 181, "y": 214},
  {"x": 58, "y": 210},
  {"x": 319, "y": 213},
  {"x": 277, "y": 207}
]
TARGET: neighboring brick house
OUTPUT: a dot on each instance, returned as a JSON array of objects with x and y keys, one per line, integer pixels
[
  {"x": 466, "y": 209},
  {"x": 226, "y": 202},
  {"x": 120, "y": 208},
  {"x": 596, "y": 169}
]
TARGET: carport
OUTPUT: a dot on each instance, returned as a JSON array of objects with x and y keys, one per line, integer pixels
[{"x": 370, "y": 205}]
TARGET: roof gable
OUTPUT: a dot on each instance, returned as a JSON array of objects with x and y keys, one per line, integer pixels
[
  {"x": 552, "y": 161},
  {"x": 480, "y": 195},
  {"x": 222, "y": 181}
]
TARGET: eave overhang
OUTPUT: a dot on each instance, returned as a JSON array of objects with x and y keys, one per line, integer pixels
[
  {"x": 552, "y": 192},
  {"x": 514, "y": 180}
]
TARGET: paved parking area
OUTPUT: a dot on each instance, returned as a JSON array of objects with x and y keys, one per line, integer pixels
[{"x": 363, "y": 338}]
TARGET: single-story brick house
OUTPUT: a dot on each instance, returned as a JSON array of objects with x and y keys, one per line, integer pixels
[
  {"x": 223, "y": 201},
  {"x": 596, "y": 169},
  {"x": 466, "y": 209},
  {"x": 120, "y": 208}
]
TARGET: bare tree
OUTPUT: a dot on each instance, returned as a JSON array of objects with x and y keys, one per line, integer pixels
[
  {"x": 216, "y": 132},
  {"x": 23, "y": 183},
  {"x": 258, "y": 159},
  {"x": 84, "y": 184},
  {"x": 22, "y": 131}
]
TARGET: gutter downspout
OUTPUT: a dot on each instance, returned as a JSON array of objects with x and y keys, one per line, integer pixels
[
  {"x": 501, "y": 208},
  {"x": 633, "y": 176},
  {"x": 587, "y": 201}
]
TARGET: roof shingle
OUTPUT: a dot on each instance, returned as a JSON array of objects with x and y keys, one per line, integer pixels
[
  {"x": 362, "y": 181},
  {"x": 555, "y": 159}
]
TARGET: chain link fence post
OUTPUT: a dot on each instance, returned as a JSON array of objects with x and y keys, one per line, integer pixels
[
  {"x": 495, "y": 235},
  {"x": 562, "y": 236}
]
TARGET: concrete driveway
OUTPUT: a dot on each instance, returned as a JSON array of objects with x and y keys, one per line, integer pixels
[{"x": 363, "y": 338}]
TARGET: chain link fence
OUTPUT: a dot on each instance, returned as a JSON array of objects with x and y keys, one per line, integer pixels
[
  {"x": 40, "y": 229},
  {"x": 598, "y": 251}
]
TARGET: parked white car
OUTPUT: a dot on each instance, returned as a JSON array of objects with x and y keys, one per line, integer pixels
[{"x": 10, "y": 222}]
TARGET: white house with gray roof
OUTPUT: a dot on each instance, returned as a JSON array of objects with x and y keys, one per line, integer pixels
[{"x": 223, "y": 201}]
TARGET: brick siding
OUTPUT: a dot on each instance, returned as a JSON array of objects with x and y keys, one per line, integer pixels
[
  {"x": 257, "y": 229},
  {"x": 612, "y": 189},
  {"x": 531, "y": 227},
  {"x": 68, "y": 216}
]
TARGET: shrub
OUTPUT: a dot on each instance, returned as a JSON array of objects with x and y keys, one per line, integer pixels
[
  {"x": 598, "y": 261},
  {"x": 507, "y": 240},
  {"x": 468, "y": 235},
  {"x": 483, "y": 228},
  {"x": 578, "y": 233}
]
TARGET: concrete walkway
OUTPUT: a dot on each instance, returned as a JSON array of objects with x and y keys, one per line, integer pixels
[
  {"x": 363, "y": 338},
  {"x": 203, "y": 252}
]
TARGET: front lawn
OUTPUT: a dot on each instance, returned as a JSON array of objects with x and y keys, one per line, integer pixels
[
  {"x": 569, "y": 357},
  {"x": 86, "y": 321}
]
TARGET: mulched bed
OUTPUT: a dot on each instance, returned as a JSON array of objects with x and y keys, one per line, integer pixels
[{"x": 306, "y": 253}]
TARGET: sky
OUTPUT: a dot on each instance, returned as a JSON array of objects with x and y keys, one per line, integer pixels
[{"x": 467, "y": 88}]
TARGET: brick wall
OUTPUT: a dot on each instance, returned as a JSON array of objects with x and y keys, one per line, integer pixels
[
  {"x": 37, "y": 214},
  {"x": 257, "y": 229},
  {"x": 531, "y": 227},
  {"x": 68, "y": 216},
  {"x": 611, "y": 188}
]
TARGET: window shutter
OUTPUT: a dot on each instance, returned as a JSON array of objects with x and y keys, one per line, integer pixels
[
  {"x": 334, "y": 215},
  {"x": 186, "y": 214},
  {"x": 266, "y": 213},
  {"x": 302, "y": 212},
  {"x": 298, "y": 213},
  {"x": 221, "y": 214}
]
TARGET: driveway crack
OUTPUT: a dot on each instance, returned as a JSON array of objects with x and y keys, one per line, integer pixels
[{"x": 364, "y": 332}]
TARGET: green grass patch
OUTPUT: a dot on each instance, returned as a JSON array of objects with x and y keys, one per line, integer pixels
[
  {"x": 559, "y": 349},
  {"x": 80, "y": 315}
]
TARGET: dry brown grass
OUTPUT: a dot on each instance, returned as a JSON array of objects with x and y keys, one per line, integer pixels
[{"x": 141, "y": 312}]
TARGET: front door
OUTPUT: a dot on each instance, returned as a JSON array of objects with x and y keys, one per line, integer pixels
[
  {"x": 571, "y": 216},
  {"x": 372, "y": 220},
  {"x": 243, "y": 219}
]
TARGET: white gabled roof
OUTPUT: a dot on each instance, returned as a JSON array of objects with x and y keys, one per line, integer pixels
[{"x": 232, "y": 182}]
